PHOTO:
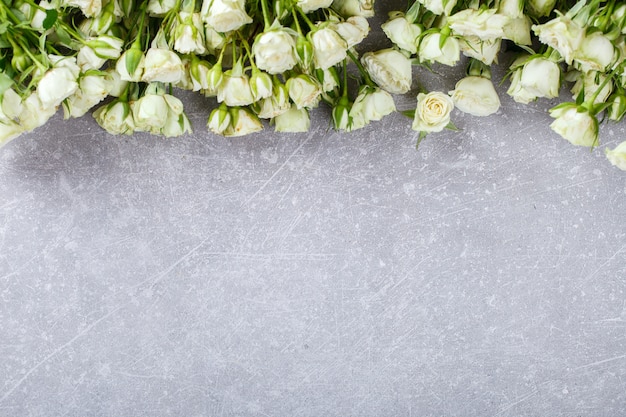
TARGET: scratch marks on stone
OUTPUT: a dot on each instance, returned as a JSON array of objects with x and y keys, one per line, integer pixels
[
  {"x": 280, "y": 168},
  {"x": 56, "y": 352},
  {"x": 596, "y": 363}
]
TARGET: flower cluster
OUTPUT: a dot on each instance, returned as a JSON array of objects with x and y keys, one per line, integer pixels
[
  {"x": 272, "y": 61},
  {"x": 581, "y": 43}
]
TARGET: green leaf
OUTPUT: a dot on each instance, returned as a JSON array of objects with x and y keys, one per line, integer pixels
[
  {"x": 5, "y": 83},
  {"x": 51, "y": 18},
  {"x": 3, "y": 27}
]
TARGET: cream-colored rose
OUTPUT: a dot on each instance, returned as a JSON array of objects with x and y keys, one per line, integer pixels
[
  {"x": 34, "y": 113},
  {"x": 329, "y": 48},
  {"x": 349, "y": 8},
  {"x": 518, "y": 30},
  {"x": 159, "y": 8},
  {"x": 274, "y": 51},
  {"x": 402, "y": 33},
  {"x": 430, "y": 49},
  {"x": 590, "y": 82},
  {"x": 162, "y": 65},
  {"x": 439, "y": 7},
  {"x": 541, "y": 77},
  {"x": 59, "y": 82},
  {"x": 476, "y": 95},
  {"x": 511, "y": 8},
  {"x": 130, "y": 65},
  {"x": 353, "y": 30},
  {"x": 484, "y": 51},
  {"x": 371, "y": 104},
  {"x": 578, "y": 127},
  {"x": 562, "y": 34},
  {"x": 235, "y": 90},
  {"x": 484, "y": 24},
  {"x": 225, "y": 15},
  {"x": 308, "y": 6},
  {"x": 540, "y": 8},
  {"x": 433, "y": 112},
  {"x": 390, "y": 69},
  {"x": 150, "y": 112},
  {"x": 92, "y": 89},
  {"x": 596, "y": 53},
  {"x": 243, "y": 122},
  {"x": 90, "y": 8},
  {"x": 304, "y": 91},
  {"x": 516, "y": 90},
  {"x": 275, "y": 105},
  {"x": 116, "y": 118},
  {"x": 617, "y": 156},
  {"x": 189, "y": 34},
  {"x": 219, "y": 120},
  {"x": 293, "y": 120}
]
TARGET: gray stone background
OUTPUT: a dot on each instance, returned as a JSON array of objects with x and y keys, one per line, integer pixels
[{"x": 318, "y": 274}]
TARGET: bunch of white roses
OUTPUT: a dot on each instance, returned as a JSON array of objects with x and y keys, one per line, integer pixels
[
  {"x": 581, "y": 42},
  {"x": 275, "y": 60}
]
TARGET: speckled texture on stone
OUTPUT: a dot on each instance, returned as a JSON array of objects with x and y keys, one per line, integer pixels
[{"x": 320, "y": 274}]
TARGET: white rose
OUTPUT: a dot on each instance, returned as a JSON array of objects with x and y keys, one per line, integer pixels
[
  {"x": 274, "y": 51},
  {"x": 58, "y": 83},
  {"x": 541, "y": 77},
  {"x": 596, "y": 53},
  {"x": 162, "y": 65},
  {"x": 90, "y": 8},
  {"x": 214, "y": 39},
  {"x": 371, "y": 104},
  {"x": 150, "y": 112},
  {"x": 617, "y": 109},
  {"x": 9, "y": 131},
  {"x": 293, "y": 120},
  {"x": 92, "y": 89},
  {"x": 304, "y": 91},
  {"x": 329, "y": 79},
  {"x": 511, "y": 8},
  {"x": 225, "y": 15},
  {"x": 115, "y": 85},
  {"x": 116, "y": 118},
  {"x": 243, "y": 122},
  {"x": 475, "y": 95},
  {"x": 34, "y": 113},
  {"x": 389, "y": 69},
  {"x": 431, "y": 51},
  {"x": 433, "y": 112},
  {"x": 235, "y": 90},
  {"x": 176, "y": 125},
  {"x": 590, "y": 82},
  {"x": 11, "y": 106},
  {"x": 348, "y": 8},
  {"x": 518, "y": 30},
  {"x": 516, "y": 90},
  {"x": 219, "y": 120},
  {"x": 484, "y": 51},
  {"x": 329, "y": 48},
  {"x": 87, "y": 59},
  {"x": 308, "y": 6},
  {"x": 353, "y": 30},
  {"x": 275, "y": 105},
  {"x": 439, "y": 7},
  {"x": 189, "y": 34},
  {"x": 562, "y": 34},
  {"x": 260, "y": 84},
  {"x": 402, "y": 33},
  {"x": 485, "y": 23},
  {"x": 159, "y": 8},
  {"x": 106, "y": 46},
  {"x": 617, "y": 156},
  {"x": 540, "y": 8},
  {"x": 132, "y": 58},
  {"x": 578, "y": 127}
]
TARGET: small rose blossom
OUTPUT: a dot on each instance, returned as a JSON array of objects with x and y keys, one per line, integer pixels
[
  {"x": 486, "y": 51},
  {"x": 353, "y": 30},
  {"x": 329, "y": 48},
  {"x": 274, "y": 51},
  {"x": 189, "y": 34},
  {"x": 439, "y": 7},
  {"x": 162, "y": 65},
  {"x": 595, "y": 53},
  {"x": 590, "y": 82},
  {"x": 225, "y": 15},
  {"x": 617, "y": 156},
  {"x": 371, "y": 104},
  {"x": 243, "y": 122},
  {"x": 433, "y": 112},
  {"x": 293, "y": 120},
  {"x": 575, "y": 124},
  {"x": 475, "y": 95},
  {"x": 349, "y": 8},
  {"x": 430, "y": 49},
  {"x": 485, "y": 23},
  {"x": 308, "y": 6},
  {"x": 562, "y": 34},
  {"x": 390, "y": 69},
  {"x": 116, "y": 118},
  {"x": 402, "y": 33},
  {"x": 304, "y": 91}
]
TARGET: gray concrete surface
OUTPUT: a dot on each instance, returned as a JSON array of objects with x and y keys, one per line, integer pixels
[{"x": 320, "y": 274}]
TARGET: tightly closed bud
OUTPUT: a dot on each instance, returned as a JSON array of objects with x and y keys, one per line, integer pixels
[
  {"x": 617, "y": 109},
  {"x": 219, "y": 120},
  {"x": 304, "y": 50}
]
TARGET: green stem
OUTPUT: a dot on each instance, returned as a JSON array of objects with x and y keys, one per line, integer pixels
[
  {"x": 361, "y": 68},
  {"x": 266, "y": 14}
]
